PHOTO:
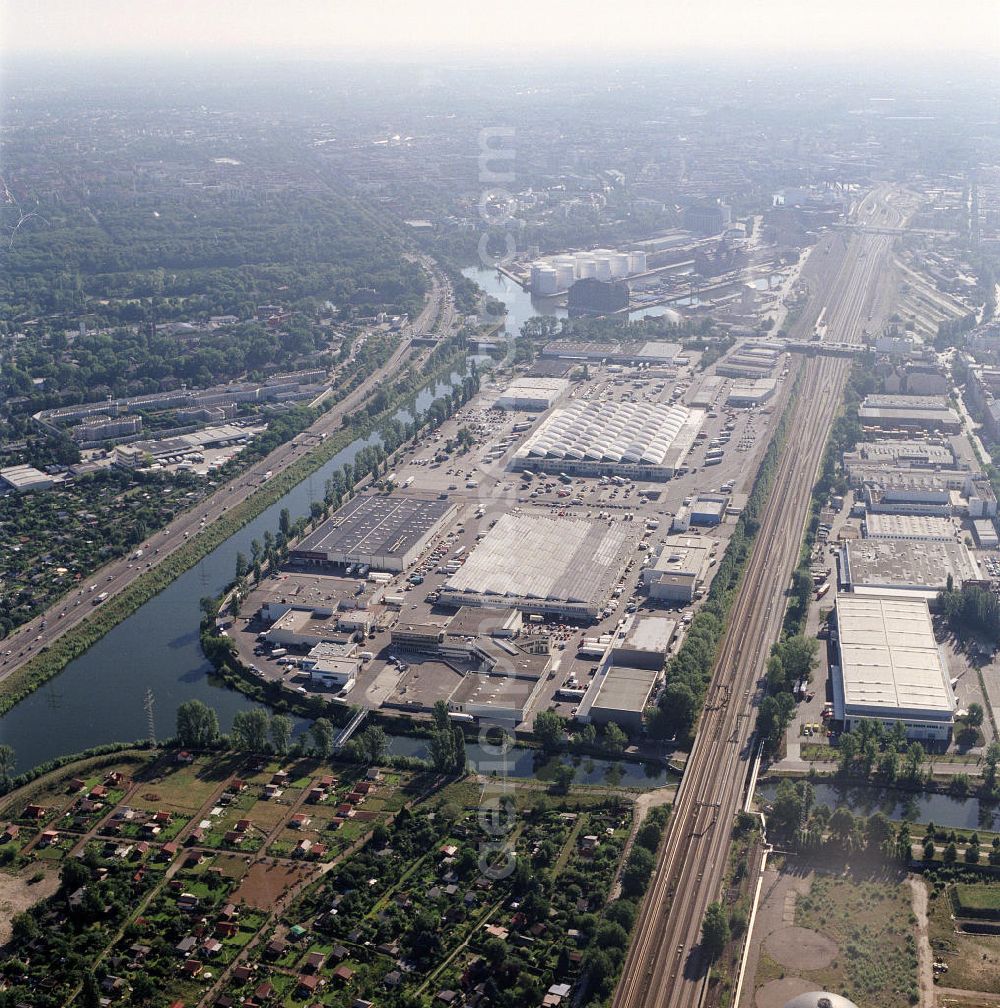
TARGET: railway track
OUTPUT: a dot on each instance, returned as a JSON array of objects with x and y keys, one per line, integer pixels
[{"x": 665, "y": 967}]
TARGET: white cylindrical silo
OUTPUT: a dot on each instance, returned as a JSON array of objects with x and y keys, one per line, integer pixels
[
  {"x": 602, "y": 267},
  {"x": 586, "y": 268},
  {"x": 565, "y": 275},
  {"x": 637, "y": 262},
  {"x": 619, "y": 264},
  {"x": 543, "y": 280}
]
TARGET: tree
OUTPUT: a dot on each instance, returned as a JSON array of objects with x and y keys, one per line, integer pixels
[
  {"x": 614, "y": 738},
  {"x": 951, "y": 853},
  {"x": 250, "y": 728},
  {"x": 322, "y": 737},
  {"x": 281, "y": 733},
  {"x": 975, "y": 715},
  {"x": 929, "y": 849},
  {"x": 562, "y": 778},
  {"x": 878, "y": 831},
  {"x": 209, "y": 608},
  {"x": 197, "y": 725},
  {"x": 637, "y": 872},
  {"x": 442, "y": 740},
  {"x": 549, "y": 729},
  {"x": 90, "y": 994},
  {"x": 461, "y": 760},
  {"x": 373, "y": 744},
  {"x": 715, "y": 930},
  {"x": 842, "y": 825},
  {"x": 8, "y": 761}
]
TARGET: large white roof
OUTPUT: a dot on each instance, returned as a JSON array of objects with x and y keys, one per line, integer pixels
[
  {"x": 889, "y": 657},
  {"x": 607, "y": 432},
  {"x": 538, "y": 557}
]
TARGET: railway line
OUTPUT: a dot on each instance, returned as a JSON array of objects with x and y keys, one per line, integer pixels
[{"x": 665, "y": 967}]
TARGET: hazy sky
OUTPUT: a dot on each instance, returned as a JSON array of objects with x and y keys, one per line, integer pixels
[{"x": 233, "y": 27}]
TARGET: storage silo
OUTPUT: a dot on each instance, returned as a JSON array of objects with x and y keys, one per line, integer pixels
[
  {"x": 544, "y": 280},
  {"x": 619, "y": 264},
  {"x": 581, "y": 259},
  {"x": 586, "y": 269},
  {"x": 602, "y": 267},
  {"x": 636, "y": 262}
]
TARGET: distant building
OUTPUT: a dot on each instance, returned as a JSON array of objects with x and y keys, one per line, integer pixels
[{"x": 25, "y": 479}]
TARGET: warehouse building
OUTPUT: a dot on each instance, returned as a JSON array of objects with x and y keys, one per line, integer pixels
[
  {"x": 750, "y": 360},
  {"x": 751, "y": 392},
  {"x": 920, "y": 528},
  {"x": 534, "y": 394},
  {"x": 386, "y": 533},
  {"x": 643, "y": 642},
  {"x": 538, "y": 564},
  {"x": 640, "y": 440},
  {"x": 986, "y": 533},
  {"x": 25, "y": 479},
  {"x": 332, "y": 667},
  {"x": 920, "y": 569},
  {"x": 708, "y": 509},
  {"x": 909, "y": 454},
  {"x": 916, "y": 494},
  {"x": 679, "y": 569},
  {"x": 889, "y": 668},
  {"x": 922, "y": 412},
  {"x": 621, "y": 695}
]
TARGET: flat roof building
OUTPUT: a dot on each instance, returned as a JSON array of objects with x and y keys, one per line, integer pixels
[
  {"x": 640, "y": 440},
  {"x": 926, "y": 412},
  {"x": 708, "y": 509},
  {"x": 25, "y": 479},
  {"x": 542, "y": 564},
  {"x": 386, "y": 533},
  {"x": 922, "y": 569},
  {"x": 679, "y": 569},
  {"x": 750, "y": 392},
  {"x": 923, "y": 528},
  {"x": 535, "y": 394},
  {"x": 620, "y": 695},
  {"x": 889, "y": 667},
  {"x": 986, "y": 533}
]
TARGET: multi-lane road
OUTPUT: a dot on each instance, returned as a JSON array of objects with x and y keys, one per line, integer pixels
[
  {"x": 665, "y": 966},
  {"x": 33, "y": 637}
]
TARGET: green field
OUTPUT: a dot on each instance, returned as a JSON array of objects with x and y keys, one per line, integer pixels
[{"x": 977, "y": 900}]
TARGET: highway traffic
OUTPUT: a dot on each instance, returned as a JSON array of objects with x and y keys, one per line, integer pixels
[{"x": 40, "y": 633}]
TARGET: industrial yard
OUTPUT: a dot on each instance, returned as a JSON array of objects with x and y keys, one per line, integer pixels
[{"x": 494, "y": 579}]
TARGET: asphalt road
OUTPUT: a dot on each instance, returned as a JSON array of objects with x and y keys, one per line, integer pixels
[
  {"x": 665, "y": 966},
  {"x": 33, "y": 637}
]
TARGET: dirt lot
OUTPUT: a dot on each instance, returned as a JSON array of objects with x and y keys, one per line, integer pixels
[
  {"x": 265, "y": 882},
  {"x": 17, "y": 894},
  {"x": 831, "y": 931}
]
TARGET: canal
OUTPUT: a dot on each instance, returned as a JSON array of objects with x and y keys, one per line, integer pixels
[
  {"x": 522, "y": 305},
  {"x": 100, "y": 697}
]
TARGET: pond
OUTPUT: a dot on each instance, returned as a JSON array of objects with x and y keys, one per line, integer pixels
[{"x": 913, "y": 806}]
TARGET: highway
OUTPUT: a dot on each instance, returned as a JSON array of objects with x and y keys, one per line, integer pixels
[
  {"x": 665, "y": 967},
  {"x": 33, "y": 637}
]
